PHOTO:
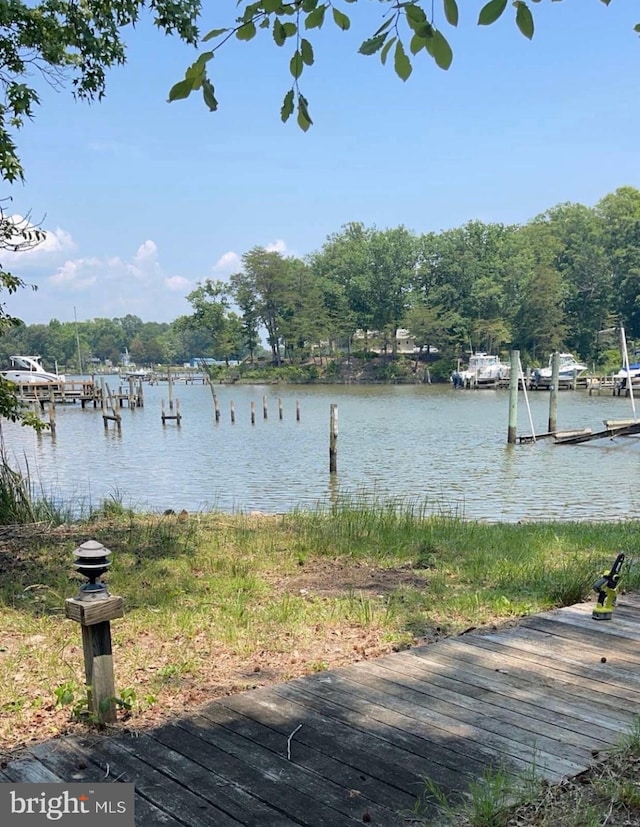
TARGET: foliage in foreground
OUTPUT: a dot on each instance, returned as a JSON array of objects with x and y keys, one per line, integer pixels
[{"x": 607, "y": 794}]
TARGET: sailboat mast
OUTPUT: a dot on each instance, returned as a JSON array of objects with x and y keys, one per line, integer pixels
[
  {"x": 78, "y": 341},
  {"x": 625, "y": 362}
]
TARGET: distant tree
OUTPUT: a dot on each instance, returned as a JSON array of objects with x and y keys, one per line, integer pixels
[{"x": 620, "y": 215}]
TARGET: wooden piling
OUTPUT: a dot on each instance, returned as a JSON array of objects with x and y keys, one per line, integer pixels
[
  {"x": 233, "y": 412},
  {"x": 177, "y": 416},
  {"x": 553, "y": 395},
  {"x": 514, "y": 381},
  {"x": 333, "y": 439},
  {"x": 94, "y": 618},
  {"x": 280, "y": 409},
  {"x": 253, "y": 412},
  {"x": 264, "y": 407},
  {"x": 109, "y": 409},
  {"x": 170, "y": 386},
  {"x": 297, "y": 411},
  {"x": 52, "y": 417}
]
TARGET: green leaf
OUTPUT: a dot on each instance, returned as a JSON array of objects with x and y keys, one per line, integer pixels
[
  {"x": 208, "y": 95},
  {"x": 306, "y": 50},
  {"x": 451, "y": 12},
  {"x": 287, "y": 106},
  {"x": 296, "y": 66},
  {"x": 304, "y": 119},
  {"x": 341, "y": 20},
  {"x": 441, "y": 50},
  {"x": 401, "y": 63},
  {"x": 309, "y": 5},
  {"x": 246, "y": 32},
  {"x": 279, "y": 35},
  {"x": 315, "y": 19},
  {"x": 373, "y": 45},
  {"x": 417, "y": 42},
  {"x": 636, "y": 28},
  {"x": 271, "y": 5},
  {"x": 385, "y": 51},
  {"x": 491, "y": 12},
  {"x": 524, "y": 19},
  {"x": 415, "y": 14},
  {"x": 213, "y": 33},
  {"x": 384, "y": 26},
  {"x": 180, "y": 90}
]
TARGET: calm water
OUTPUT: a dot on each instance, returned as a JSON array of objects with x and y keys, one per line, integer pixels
[{"x": 423, "y": 444}]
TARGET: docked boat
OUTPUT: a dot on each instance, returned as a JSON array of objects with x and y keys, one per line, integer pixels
[
  {"x": 29, "y": 370},
  {"x": 483, "y": 369},
  {"x": 570, "y": 369}
]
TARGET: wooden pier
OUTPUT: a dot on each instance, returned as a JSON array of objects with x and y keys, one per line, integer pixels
[
  {"x": 612, "y": 429},
  {"x": 68, "y": 392},
  {"x": 354, "y": 745}
]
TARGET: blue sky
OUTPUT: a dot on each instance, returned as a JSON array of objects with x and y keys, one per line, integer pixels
[{"x": 142, "y": 199}]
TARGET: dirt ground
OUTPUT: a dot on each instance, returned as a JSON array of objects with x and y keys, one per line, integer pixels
[{"x": 229, "y": 672}]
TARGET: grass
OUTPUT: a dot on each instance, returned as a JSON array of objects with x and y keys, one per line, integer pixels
[{"x": 219, "y": 603}]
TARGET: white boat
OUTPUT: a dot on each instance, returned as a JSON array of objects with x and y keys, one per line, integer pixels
[
  {"x": 569, "y": 370},
  {"x": 29, "y": 369},
  {"x": 632, "y": 372},
  {"x": 483, "y": 369}
]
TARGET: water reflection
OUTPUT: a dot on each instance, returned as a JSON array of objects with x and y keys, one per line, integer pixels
[{"x": 424, "y": 445}]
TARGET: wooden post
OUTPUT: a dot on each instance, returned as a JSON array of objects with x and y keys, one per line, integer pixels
[
  {"x": 553, "y": 396},
  {"x": 280, "y": 409},
  {"x": 264, "y": 407},
  {"x": 333, "y": 439},
  {"x": 94, "y": 616},
  {"x": 170, "y": 384},
  {"x": 253, "y": 412},
  {"x": 52, "y": 417},
  {"x": 514, "y": 381},
  {"x": 162, "y": 413},
  {"x": 131, "y": 392},
  {"x": 233, "y": 412},
  {"x": 140, "y": 400},
  {"x": 297, "y": 411}
]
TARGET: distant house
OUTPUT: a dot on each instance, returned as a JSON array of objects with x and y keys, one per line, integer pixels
[{"x": 405, "y": 342}]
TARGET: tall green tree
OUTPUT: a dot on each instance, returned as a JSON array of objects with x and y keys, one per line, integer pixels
[
  {"x": 619, "y": 213},
  {"x": 266, "y": 274}
]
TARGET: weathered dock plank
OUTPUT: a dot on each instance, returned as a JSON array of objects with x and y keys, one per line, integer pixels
[
  {"x": 310, "y": 748},
  {"x": 354, "y": 745},
  {"x": 550, "y": 695},
  {"x": 501, "y": 733}
]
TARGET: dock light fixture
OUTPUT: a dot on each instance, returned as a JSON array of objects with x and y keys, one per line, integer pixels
[{"x": 91, "y": 559}]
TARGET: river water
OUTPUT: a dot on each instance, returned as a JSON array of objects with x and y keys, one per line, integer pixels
[{"x": 426, "y": 446}]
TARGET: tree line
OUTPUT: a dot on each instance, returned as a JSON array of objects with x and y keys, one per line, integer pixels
[{"x": 553, "y": 283}]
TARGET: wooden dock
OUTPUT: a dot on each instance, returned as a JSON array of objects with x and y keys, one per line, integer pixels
[
  {"x": 68, "y": 392},
  {"x": 353, "y": 745}
]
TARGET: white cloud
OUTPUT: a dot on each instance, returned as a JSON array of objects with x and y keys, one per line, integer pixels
[
  {"x": 278, "y": 246},
  {"x": 76, "y": 275},
  {"x": 178, "y": 283},
  {"x": 54, "y": 243},
  {"x": 231, "y": 262},
  {"x": 228, "y": 263},
  {"x": 112, "y": 286}
]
